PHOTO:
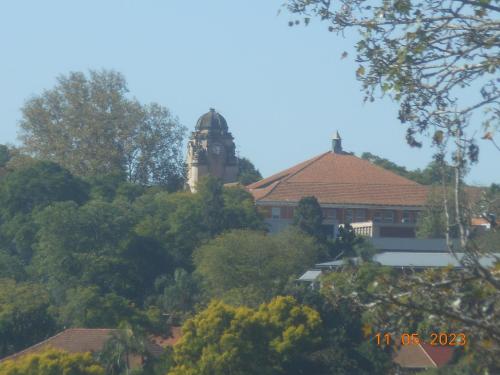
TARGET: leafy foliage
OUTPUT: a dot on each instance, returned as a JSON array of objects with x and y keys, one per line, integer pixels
[
  {"x": 38, "y": 185},
  {"x": 272, "y": 339},
  {"x": 247, "y": 173},
  {"x": 422, "y": 54},
  {"x": 52, "y": 362},
  {"x": 24, "y": 315},
  {"x": 433, "y": 174},
  {"x": 248, "y": 267},
  {"x": 308, "y": 217},
  {"x": 89, "y": 125}
]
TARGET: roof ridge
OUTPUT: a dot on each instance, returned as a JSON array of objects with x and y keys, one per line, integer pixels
[
  {"x": 17, "y": 354},
  {"x": 427, "y": 354},
  {"x": 307, "y": 163}
]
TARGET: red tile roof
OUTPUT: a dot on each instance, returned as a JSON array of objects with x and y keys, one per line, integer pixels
[
  {"x": 79, "y": 340},
  {"x": 340, "y": 179},
  {"x": 423, "y": 356},
  {"x": 441, "y": 355}
]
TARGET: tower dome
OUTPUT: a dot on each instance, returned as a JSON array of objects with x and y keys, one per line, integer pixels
[{"x": 212, "y": 121}]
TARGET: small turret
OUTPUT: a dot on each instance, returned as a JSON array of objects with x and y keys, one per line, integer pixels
[{"x": 337, "y": 143}]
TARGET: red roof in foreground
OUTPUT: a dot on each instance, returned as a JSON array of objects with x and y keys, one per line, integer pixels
[
  {"x": 423, "y": 355},
  {"x": 441, "y": 355},
  {"x": 81, "y": 340},
  {"x": 342, "y": 179}
]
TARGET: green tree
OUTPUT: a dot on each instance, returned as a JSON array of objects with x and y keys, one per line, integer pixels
[
  {"x": 249, "y": 267},
  {"x": 210, "y": 192},
  {"x": 432, "y": 57},
  {"x": 423, "y": 54},
  {"x": 118, "y": 350},
  {"x": 432, "y": 174},
  {"x": 308, "y": 217},
  {"x": 95, "y": 245},
  {"x": 240, "y": 211},
  {"x": 11, "y": 266},
  {"x": 52, "y": 362},
  {"x": 175, "y": 221},
  {"x": 38, "y": 185},
  {"x": 247, "y": 173},
  {"x": 272, "y": 339},
  {"x": 88, "y": 124},
  {"x": 345, "y": 347},
  {"x": 24, "y": 316},
  {"x": 29, "y": 188},
  {"x": 179, "y": 294},
  {"x": 4, "y": 155},
  {"x": 89, "y": 307}
]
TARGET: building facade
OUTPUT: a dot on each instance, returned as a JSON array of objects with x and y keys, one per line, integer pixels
[
  {"x": 211, "y": 150},
  {"x": 377, "y": 202}
]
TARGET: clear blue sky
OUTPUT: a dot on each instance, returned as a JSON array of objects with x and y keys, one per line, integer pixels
[{"x": 283, "y": 90}]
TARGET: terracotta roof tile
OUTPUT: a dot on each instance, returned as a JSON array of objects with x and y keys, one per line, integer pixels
[
  {"x": 79, "y": 340},
  {"x": 340, "y": 178},
  {"x": 423, "y": 356},
  {"x": 441, "y": 355}
]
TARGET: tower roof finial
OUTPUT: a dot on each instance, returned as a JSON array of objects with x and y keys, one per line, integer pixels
[{"x": 337, "y": 143}]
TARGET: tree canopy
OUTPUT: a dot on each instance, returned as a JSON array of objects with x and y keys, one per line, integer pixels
[
  {"x": 249, "y": 267},
  {"x": 247, "y": 173},
  {"x": 89, "y": 125},
  {"x": 422, "y": 54},
  {"x": 52, "y": 362},
  {"x": 271, "y": 339}
]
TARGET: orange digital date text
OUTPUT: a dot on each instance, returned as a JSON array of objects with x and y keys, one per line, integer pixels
[{"x": 435, "y": 339}]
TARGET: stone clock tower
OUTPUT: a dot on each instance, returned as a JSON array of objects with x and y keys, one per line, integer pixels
[{"x": 211, "y": 150}]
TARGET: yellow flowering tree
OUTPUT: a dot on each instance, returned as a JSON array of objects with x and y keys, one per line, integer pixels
[
  {"x": 272, "y": 339},
  {"x": 52, "y": 362}
]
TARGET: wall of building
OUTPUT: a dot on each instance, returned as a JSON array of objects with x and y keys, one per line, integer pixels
[{"x": 387, "y": 221}]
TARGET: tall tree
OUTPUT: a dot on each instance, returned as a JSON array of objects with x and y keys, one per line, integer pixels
[
  {"x": 88, "y": 124},
  {"x": 247, "y": 173},
  {"x": 438, "y": 60},
  {"x": 4, "y": 155},
  {"x": 308, "y": 217},
  {"x": 31, "y": 187},
  {"x": 422, "y": 54},
  {"x": 210, "y": 192},
  {"x": 24, "y": 315}
]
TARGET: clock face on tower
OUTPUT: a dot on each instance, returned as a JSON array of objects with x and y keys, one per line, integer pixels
[{"x": 216, "y": 149}]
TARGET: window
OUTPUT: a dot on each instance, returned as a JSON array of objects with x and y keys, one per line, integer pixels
[
  {"x": 406, "y": 217},
  {"x": 276, "y": 212},
  {"x": 348, "y": 216},
  {"x": 377, "y": 216},
  {"x": 360, "y": 215},
  {"x": 388, "y": 216}
]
